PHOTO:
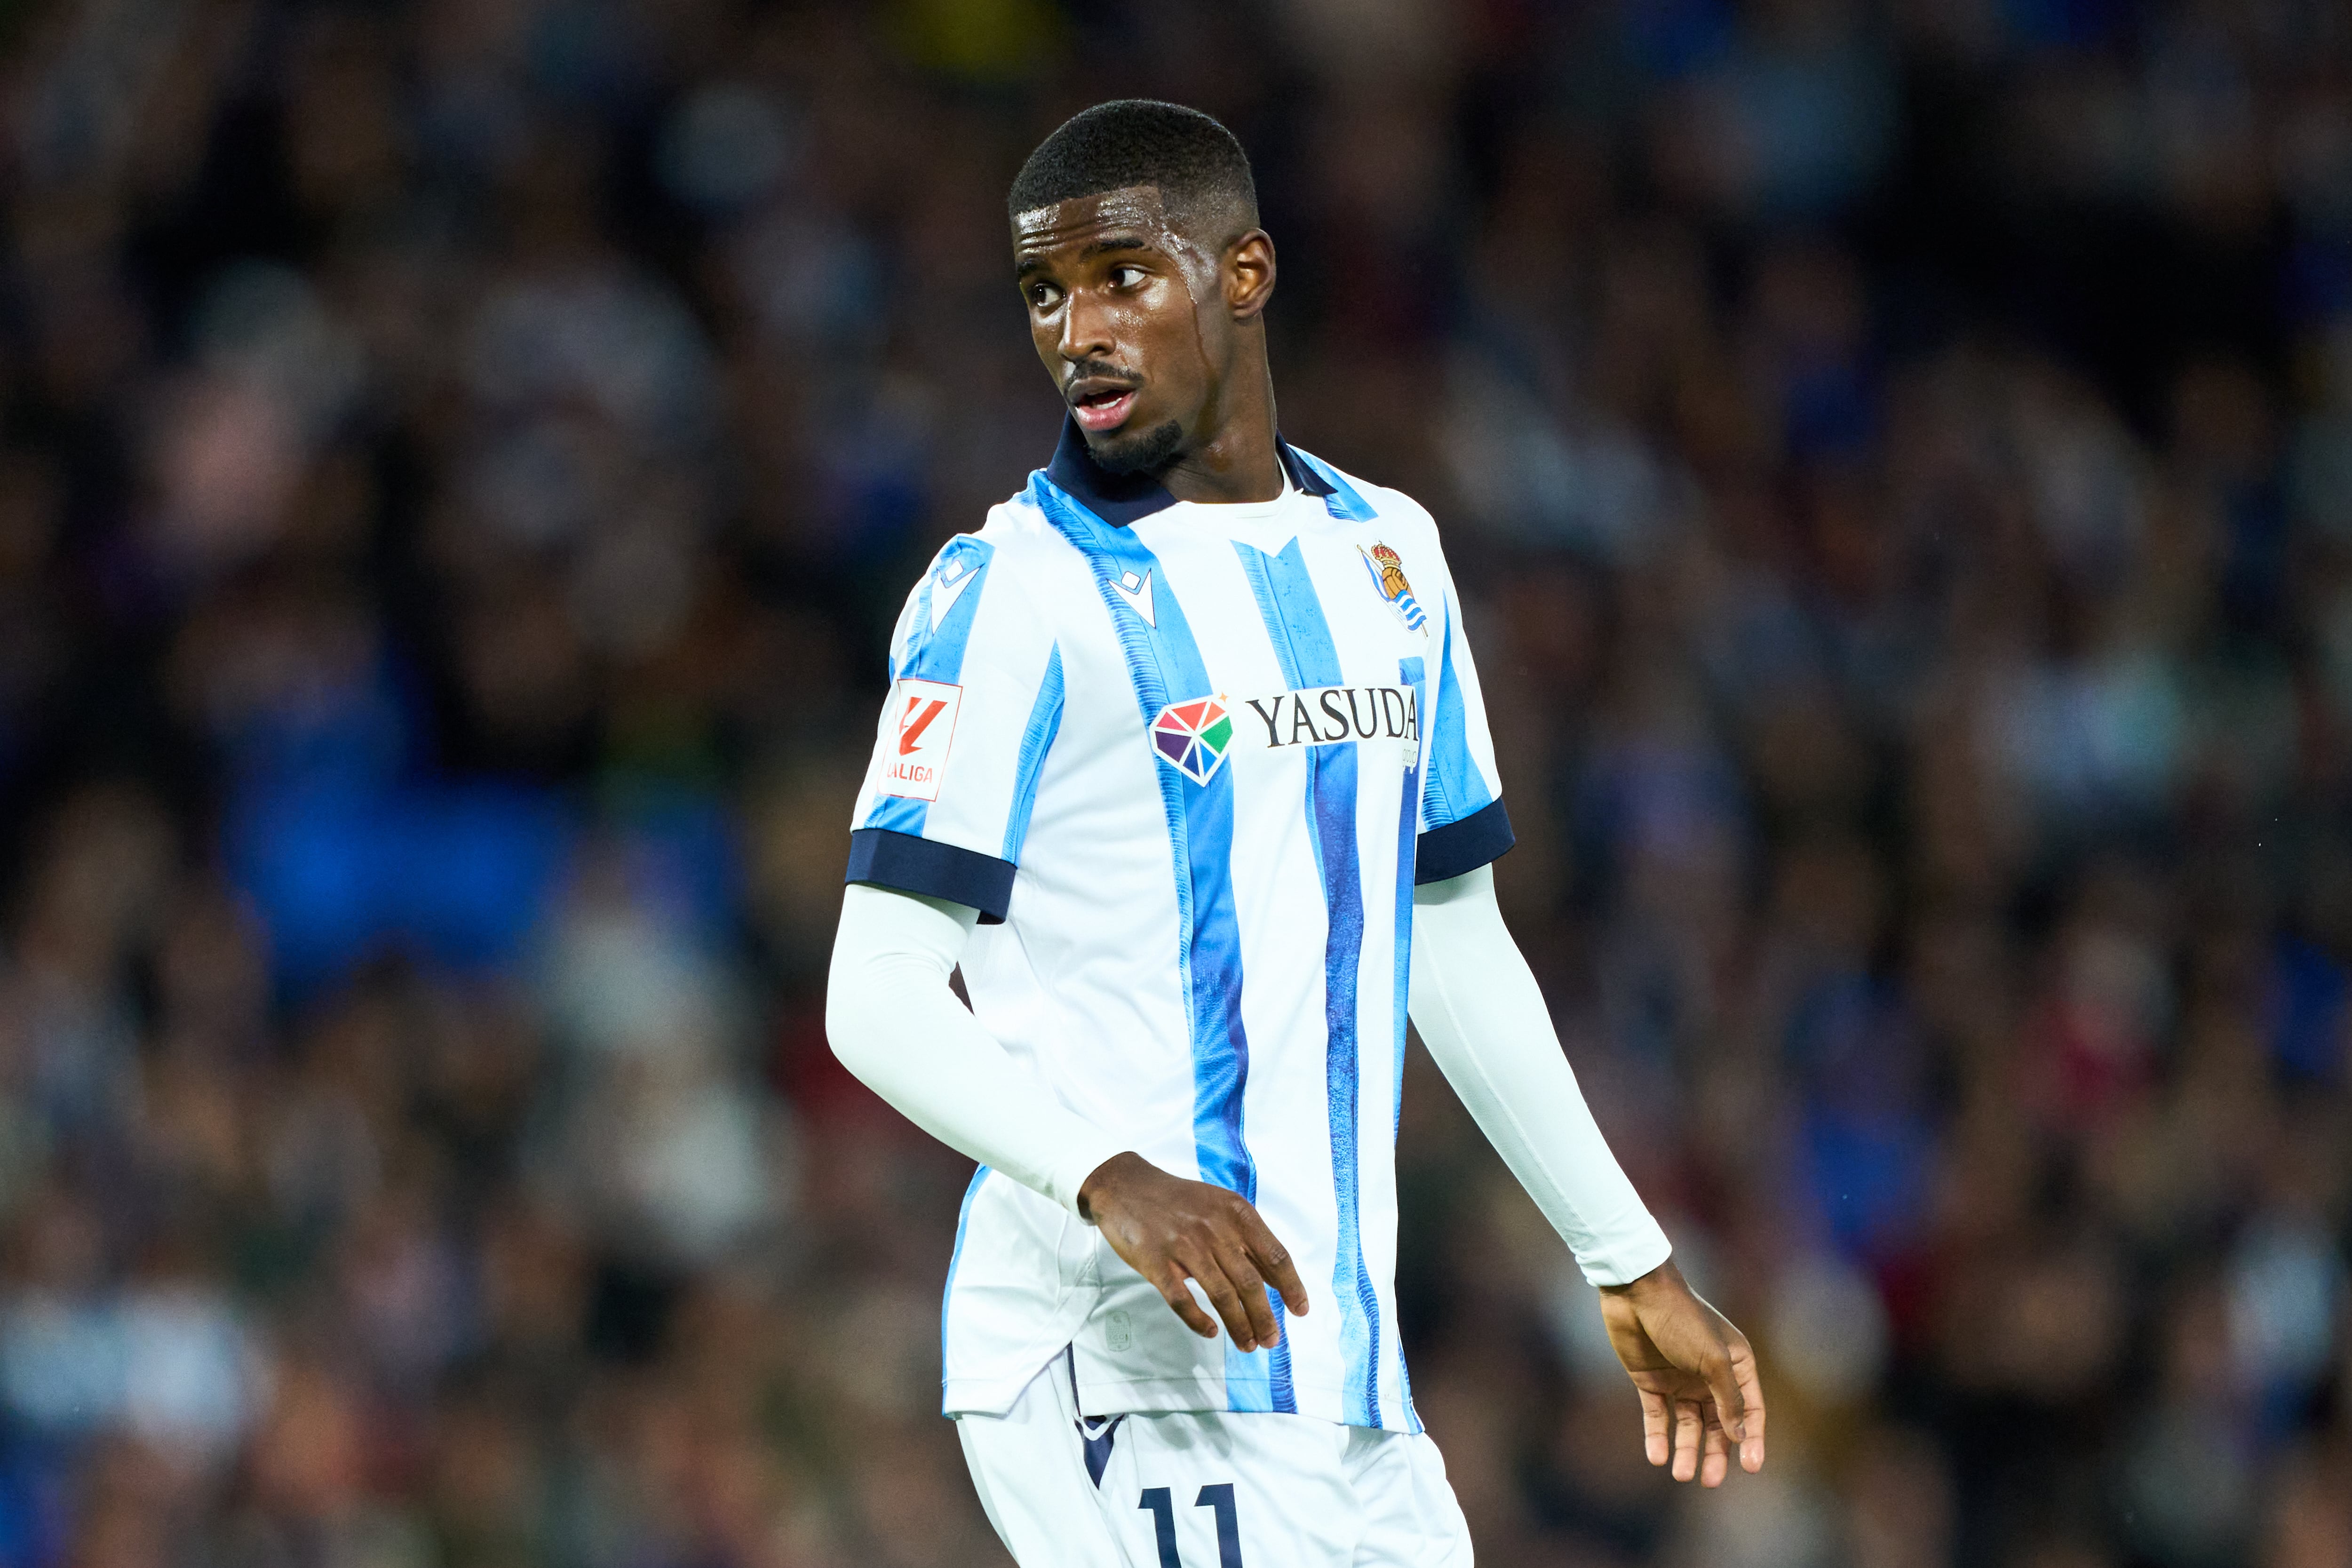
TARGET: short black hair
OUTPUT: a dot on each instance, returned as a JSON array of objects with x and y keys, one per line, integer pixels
[{"x": 1197, "y": 163}]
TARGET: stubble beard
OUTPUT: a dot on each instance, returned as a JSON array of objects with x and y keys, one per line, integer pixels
[{"x": 1145, "y": 453}]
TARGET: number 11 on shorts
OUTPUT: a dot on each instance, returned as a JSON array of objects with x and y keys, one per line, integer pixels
[{"x": 1163, "y": 1523}]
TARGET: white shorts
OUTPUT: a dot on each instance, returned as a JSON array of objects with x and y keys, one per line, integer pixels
[{"x": 1206, "y": 1490}]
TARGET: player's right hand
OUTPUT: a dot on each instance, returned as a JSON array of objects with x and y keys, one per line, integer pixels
[{"x": 1170, "y": 1230}]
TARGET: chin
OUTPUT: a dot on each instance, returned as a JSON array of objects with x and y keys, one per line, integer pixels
[{"x": 1130, "y": 451}]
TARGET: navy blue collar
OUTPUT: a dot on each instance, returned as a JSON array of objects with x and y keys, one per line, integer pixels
[{"x": 1120, "y": 500}]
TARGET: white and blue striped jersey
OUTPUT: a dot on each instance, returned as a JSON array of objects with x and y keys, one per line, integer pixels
[{"x": 1187, "y": 762}]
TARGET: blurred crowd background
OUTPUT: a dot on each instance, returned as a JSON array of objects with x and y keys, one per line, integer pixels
[{"x": 459, "y": 464}]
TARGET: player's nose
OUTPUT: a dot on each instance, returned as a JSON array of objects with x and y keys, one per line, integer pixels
[{"x": 1085, "y": 330}]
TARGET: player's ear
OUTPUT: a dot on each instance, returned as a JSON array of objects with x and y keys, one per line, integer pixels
[{"x": 1249, "y": 274}]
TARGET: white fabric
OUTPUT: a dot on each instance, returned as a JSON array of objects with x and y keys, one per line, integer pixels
[
  {"x": 1484, "y": 1021},
  {"x": 895, "y": 1022},
  {"x": 1306, "y": 1494},
  {"x": 1203, "y": 952}
]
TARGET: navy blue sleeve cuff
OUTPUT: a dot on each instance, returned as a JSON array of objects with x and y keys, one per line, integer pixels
[
  {"x": 913, "y": 865},
  {"x": 1463, "y": 846}
]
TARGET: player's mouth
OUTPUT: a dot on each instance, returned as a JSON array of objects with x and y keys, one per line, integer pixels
[{"x": 1099, "y": 405}]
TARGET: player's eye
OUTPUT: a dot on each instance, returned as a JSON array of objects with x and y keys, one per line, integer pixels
[
  {"x": 1126, "y": 275},
  {"x": 1044, "y": 296}
]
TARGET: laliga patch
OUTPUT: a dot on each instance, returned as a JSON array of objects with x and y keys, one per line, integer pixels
[
  {"x": 1192, "y": 737},
  {"x": 923, "y": 721}
]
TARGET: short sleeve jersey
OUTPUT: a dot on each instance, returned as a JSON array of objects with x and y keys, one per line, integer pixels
[{"x": 1187, "y": 762}]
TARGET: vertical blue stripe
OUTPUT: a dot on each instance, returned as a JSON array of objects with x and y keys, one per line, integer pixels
[
  {"x": 1410, "y": 674},
  {"x": 1455, "y": 788},
  {"x": 1302, "y": 642},
  {"x": 1164, "y": 663},
  {"x": 1036, "y": 740},
  {"x": 1280, "y": 1392},
  {"x": 963, "y": 1222},
  {"x": 935, "y": 653}
]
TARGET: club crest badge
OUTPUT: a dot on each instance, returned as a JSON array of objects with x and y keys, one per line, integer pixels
[
  {"x": 1193, "y": 737},
  {"x": 1388, "y": 576}
]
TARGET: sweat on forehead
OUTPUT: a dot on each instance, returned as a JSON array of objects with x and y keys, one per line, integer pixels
[
  {"x": 1194, "y": 163},
  {"x": 1134, "y": 210}
]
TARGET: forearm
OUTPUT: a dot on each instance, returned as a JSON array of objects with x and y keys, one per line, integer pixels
[
  {"x": 896, "y": 1025},
  {"x": 1483, "y": 1019}
]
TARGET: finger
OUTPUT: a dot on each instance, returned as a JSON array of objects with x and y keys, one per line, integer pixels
[
  {"x": 1273, "y": 1260},
  {"x": 1687, "y": 1428},
  {"x": 1180, "y": 1301},
  {"x": 1751, "y": 1389},
  {"x": 1257, "y": 1305},
  {"x": 1227, "y": 1302},
  {"x": 1657, "y": 1435},
  {"x": 1715, "y": 1459},
  {"x": 1730, "y": 1403}
]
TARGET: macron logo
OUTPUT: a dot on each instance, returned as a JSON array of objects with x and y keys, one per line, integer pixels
[
  {"x": 1137, "y": 591},
  {"x": 948, "y": 585}
]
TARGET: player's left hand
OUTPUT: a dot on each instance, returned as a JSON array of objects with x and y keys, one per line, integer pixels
[{"x": 1696, "y": 1373}]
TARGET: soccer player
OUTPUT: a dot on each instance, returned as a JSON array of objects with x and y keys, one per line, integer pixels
[{"x": 1184, "y": 762}]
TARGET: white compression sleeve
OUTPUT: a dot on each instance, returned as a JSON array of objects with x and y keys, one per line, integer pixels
[
  {"x": 894, "y": 1022},
  {"x": 1483, "y": 1017}
]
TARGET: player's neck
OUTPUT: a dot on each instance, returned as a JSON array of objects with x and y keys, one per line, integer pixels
[{"x": 1241, "y": 463}]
